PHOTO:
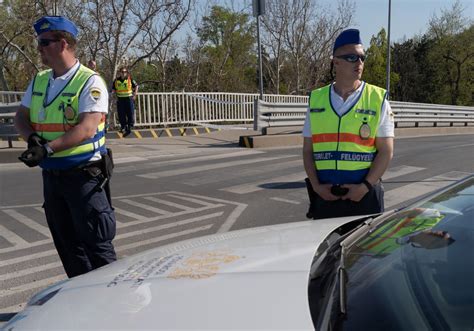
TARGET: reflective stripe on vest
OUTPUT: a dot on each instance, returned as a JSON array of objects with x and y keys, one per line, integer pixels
[
  {"x": 60, "y": 115},
  {"x": 123, "y": 88},
  {"x": 344, "y": 146}
]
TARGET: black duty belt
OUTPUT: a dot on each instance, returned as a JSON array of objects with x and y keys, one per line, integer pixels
[{"x": 75, "y": 170}]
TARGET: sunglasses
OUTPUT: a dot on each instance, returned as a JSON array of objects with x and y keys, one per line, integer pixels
[
  {"x": 45, "y": 42},
  {"x": 351, "y": 57},
  {"x": 124, "y": 72}
]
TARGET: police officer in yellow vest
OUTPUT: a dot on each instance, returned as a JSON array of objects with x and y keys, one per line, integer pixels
[
  {"x": 62, "y": 118},
  {"x": 126, "y": 89},
  {"x": 348, "y": 138}
]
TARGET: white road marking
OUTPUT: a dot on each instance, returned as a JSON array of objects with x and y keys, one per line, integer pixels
[
  {"x": 168, "y": 203},
  {"x": 146, "y": 207},
  {"x": 28, "y": 222},
  {"x": 286, "y": 200},
  {"x": 196, "y": 201},
  {"x": 190, "y": 170},
  {"x": 233, "y": 217},
  {"x": 39, "y": 284},
  {"x": 139, "y": 243},
  {"x": 164, "y": 237},
  {"x": 266, "y": 183},
  {"x": 13, "y": 238},
  {"x": 129, "y": 214},
  {"x": 31, "y": 270},
  {"x": 400, "y": 171},
  {"x": 128, "y": 159},
  {"x": 413, "y": 190},
  {"x": 187, "y": 160}
]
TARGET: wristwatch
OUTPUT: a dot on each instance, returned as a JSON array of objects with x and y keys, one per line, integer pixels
[
  {"x": 48, "y": 149},
  {"x": 367, "y": 184}
]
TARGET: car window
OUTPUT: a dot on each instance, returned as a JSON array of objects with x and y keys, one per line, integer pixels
[{"x": 414, "y": 270}]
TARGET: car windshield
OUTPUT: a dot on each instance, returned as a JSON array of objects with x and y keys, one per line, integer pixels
[{"x": 413, "y": 271}]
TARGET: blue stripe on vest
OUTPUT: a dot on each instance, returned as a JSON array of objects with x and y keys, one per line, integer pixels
[
  {"x": 94, "y": 139},
  {"x": 340, "y": 177},
  {"x": 344, "y": 156}
]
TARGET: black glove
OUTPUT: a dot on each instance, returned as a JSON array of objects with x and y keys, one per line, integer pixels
[
  {"x": 33, "y": 156},
  {"x": 36, "y": 140}
]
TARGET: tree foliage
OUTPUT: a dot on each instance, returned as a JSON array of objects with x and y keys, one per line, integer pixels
[{"x": 171, "y": 46}]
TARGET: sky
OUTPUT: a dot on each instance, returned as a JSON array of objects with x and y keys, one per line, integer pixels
[{"x": 408, "y": 17}]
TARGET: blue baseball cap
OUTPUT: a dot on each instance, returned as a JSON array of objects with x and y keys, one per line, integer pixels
[
  {"x": 349, "y": 36},
  {"x": 55, "y": 23}
]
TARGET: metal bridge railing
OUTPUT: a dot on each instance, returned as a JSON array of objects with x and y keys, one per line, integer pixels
[
  {"x": 406, "y": 114},
  {"x": 199, "y": 108}
]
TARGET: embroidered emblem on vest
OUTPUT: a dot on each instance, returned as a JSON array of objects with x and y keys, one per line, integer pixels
[
  {"x": 364, "y": 131},
  {"x": 69, "y": 113}
]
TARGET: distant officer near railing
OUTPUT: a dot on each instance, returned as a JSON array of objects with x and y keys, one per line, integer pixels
[
  {"x": 125, "y": 89},
  {"x": 62, "y": 118},
  {"x": 348, "y": 138}
]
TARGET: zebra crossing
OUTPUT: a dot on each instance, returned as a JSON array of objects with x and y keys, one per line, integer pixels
[{"x": 29, "y": 262}]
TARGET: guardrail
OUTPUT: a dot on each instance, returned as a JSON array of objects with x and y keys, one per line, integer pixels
[
  {"x": 406, "y": 114},
  {"x": 198, "y": 108}
]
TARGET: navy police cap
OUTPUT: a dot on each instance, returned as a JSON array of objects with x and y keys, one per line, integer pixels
[
  {"x": 55, "y": 23},
  {"x": 349, "y": 36}
]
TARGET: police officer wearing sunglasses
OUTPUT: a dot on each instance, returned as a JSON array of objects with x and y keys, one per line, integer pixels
[
  {"x": 62, "y": 118},
  {"x": 348, "y": 138}
]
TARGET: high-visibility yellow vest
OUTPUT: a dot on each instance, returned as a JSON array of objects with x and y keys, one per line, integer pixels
[
  {"x": 52, "y": 120},
  {"x": 123, "y": 88},
  {"x": 344, "y": 146}
]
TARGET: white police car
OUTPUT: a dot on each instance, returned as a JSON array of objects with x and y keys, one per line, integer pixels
[{"x": 406, "y": 270}]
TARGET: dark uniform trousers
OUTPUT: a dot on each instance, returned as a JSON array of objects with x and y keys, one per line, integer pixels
[
  {"x": 371, "y": 203},
  {"x": 80, "y": 218},
  {"x": 125, "y": 111}
]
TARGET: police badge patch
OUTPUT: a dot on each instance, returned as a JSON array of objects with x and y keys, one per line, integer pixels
[
  {"x": 95, "y": 93},
  {"x": 364, "y": 131},
  {"x": 69, "y": 113}
]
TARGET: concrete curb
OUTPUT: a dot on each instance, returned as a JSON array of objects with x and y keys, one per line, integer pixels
[{"x": 295, "y": 139}]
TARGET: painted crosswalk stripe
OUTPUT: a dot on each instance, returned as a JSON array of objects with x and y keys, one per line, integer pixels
[
  {"x": 128, "y": 159},
  {"x": 266, "y": 183},
  {"x": 286, "y": 200},
  {"x": 413, "y": 190},
  {"x": 119, "y": 248},
  {"x": 168, "y": 203},
  {"x": 144, "y": 206},
  {"x": 12, "y": 237},
  {"x": 400, "y": 171},
  {"x": 190, "y": 170},
  {"x": 28, "y": 222}
]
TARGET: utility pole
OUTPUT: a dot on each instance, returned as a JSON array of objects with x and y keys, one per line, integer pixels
[
  {"x": 388, "y": 50},
  {"x": 259, "y": 10}
]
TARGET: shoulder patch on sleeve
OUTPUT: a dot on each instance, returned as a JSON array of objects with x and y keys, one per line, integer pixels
[{"x": 95, "y": 93}]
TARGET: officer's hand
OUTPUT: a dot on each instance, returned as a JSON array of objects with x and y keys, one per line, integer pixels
[
  {"x": 33, "y": 156},
  {"x": 36, "y": 140},
  {"x": 324, "y": 191},
  {"x": 356, "y": 192}
]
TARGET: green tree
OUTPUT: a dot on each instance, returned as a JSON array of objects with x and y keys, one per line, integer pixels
[
  {"x": 375, "y": 65},
  {"x": 229, "y": 62},
  {"x": 453, "y": 35}
]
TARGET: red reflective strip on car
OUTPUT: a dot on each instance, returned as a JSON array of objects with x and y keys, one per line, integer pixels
[{"x": 342, "y": 137}]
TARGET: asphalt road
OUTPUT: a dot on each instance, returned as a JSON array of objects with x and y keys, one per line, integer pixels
[{"x": 180, "y": 190}]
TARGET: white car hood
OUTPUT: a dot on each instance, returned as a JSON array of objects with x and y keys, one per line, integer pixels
[{"x": 249, "y": 279}]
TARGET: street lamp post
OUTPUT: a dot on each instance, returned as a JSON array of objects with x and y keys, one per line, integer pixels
[
  {"x": 388, "y": 49},
  {"x": 259, "y": 10}
]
